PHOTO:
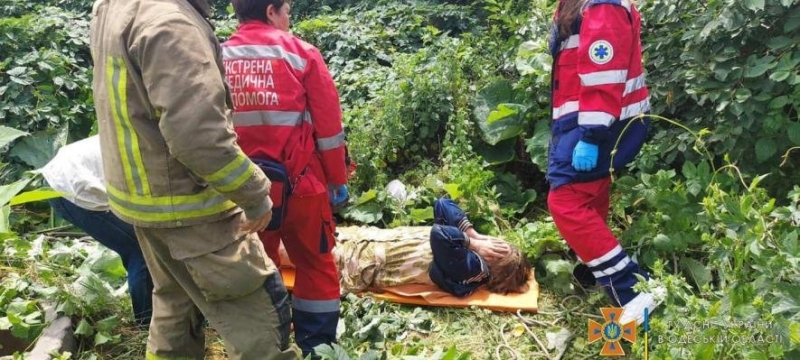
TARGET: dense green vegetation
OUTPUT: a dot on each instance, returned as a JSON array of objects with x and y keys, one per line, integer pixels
[{"x": 451, "y": 97}]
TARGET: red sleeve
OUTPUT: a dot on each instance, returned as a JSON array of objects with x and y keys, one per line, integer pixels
[
  {"x": 604, "y": 55},
  {"x": 326, "y": 116}
]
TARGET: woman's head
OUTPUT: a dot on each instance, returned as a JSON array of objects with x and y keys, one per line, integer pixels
[
  {"x": 272, "y": 12},
  {"x": 509, "y": 274}
]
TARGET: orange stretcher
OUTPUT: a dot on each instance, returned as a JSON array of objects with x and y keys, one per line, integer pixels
[{"x": 430, "y": 295}]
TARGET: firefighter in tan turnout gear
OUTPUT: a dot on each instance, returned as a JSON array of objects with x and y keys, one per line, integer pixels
[{"x": 174, "y": 171}]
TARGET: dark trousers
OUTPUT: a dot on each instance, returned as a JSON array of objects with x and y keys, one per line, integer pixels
[{"x": 118, "y": 236}]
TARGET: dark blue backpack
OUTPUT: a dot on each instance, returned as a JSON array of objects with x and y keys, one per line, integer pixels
[{"x": 279, "y": 192}]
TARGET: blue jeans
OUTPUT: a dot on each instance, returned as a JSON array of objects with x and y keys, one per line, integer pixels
[{"x": 118, "y": 236}]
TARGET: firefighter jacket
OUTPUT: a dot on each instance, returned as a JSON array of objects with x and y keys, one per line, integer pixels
[
  {"x": 169, "y": 151},
  {"x": 598, "y": 83},
  {"x": 286, "y": 106}
]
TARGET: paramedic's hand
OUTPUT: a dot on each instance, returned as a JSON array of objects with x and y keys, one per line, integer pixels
[
  {"x": 258, "y": 224},
  {"x": 584, "y": 156},
  {"x": 338, "y": 194}
]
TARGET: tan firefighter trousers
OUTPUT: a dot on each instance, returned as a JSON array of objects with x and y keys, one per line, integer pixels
[{"x": 213, "y": 271}]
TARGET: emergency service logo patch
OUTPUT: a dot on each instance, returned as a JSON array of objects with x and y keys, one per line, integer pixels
[{"x": 601, "y": 52}]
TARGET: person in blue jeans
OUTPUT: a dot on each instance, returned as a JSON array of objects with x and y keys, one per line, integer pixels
[{"x": 76, "y": 172}]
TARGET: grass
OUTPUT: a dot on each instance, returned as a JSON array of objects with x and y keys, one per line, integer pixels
[{"x": 483, "y": 334}]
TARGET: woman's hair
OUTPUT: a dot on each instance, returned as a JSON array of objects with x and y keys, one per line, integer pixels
[
  {"x": 509, "y": 274},
  {"x": 568, "y": 11},
  {"x": 247, "y": 10}
]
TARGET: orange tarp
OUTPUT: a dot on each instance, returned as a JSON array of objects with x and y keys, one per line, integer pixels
[{"x": 430, "y": 295}]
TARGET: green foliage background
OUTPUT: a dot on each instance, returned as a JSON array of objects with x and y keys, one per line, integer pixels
[{"x": 451, "y": 97}]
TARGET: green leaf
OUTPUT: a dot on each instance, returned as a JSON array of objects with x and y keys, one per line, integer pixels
[
  {"x": 778, "y": 102},
  {"x": 499, "y": 118},
  {"x": 501, "y": 153},
  {"x": 368, "y": 213},
  {"x": 38, "y": 149},
  {"x": 758, "y": 69},
  {"x": 101, "y": 338},
  {"x": 742, "y": 94},
  {"x": 453, "y": 190},
  {"x": 538, "y": 145},
  {"x": 755, "y": 5},
  {"x": 7, "y": 192},
  {"x": 793, "y": 131},
  {"x": 7, "y": 135},
  {"x": 557, "y": 266},
  {"x": 331, "y": 352},
  {"x": 5, "y": 227},
  {"x": 755, "y": 355},
  {"x": 780, "y": 75},
  {"x": 697, "y": 271},
  {"x": 34, "y": 196},
  {"x": 84, "y": 329},
  {"x": 662, "y": 242},
  {"x": 366, "y": 197},
  {"x": 765, "y": 148},
  {"x": 779, "y": 42},
  {"x": 422, "y": 215}
]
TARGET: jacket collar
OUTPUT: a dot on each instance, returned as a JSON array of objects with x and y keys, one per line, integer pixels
[{"x": 255, "y": 24}]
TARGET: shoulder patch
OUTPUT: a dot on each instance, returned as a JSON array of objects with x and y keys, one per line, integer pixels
[{"x": 601, "y": 52}]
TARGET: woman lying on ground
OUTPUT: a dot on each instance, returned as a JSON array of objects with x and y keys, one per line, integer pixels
[{"x": 450, "y": 255}]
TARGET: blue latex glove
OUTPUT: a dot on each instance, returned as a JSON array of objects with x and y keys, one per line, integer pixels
[
  {"x": 584, "y": 156},
  {"x": 338, "y": 194}
]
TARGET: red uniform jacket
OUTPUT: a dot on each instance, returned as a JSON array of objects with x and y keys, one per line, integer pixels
[
  {"x": 599, "y": 72},
  {"x": 286, "y": 106},
  {"x": 598, "y": 84}
]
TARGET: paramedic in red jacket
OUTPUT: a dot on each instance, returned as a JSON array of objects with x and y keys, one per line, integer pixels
[
  {"x": 598, "y": 87},
  {"x": 286, "y": 109}
]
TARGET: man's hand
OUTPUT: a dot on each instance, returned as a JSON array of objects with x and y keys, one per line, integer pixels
[
  {"x": 257, "y": 224},
  {"x": 491, "y": 249}
]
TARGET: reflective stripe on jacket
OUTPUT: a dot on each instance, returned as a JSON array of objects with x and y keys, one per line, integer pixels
[
  {"x": 598, "y": 84},
  {"x": 286, "y": 106},
  {"x": 169, "y": 153}
]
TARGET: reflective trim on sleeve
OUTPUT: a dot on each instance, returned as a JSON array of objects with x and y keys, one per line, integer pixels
[
  {"x": 634, "y": 84},
  {"x": 564, "y": 109},
  {"x": 635, "y": 109},
  {"x": 330, "y": 142},
  {"x": 607, "y": 77},
  {"x": 127, "y": 139},
  {"x": 263, "y": 52},
  {"x": 595, "y": 118},
  {"x": 268, "y": 117},
  {"x": 168, "y": 208},
  {"x": 315, "y": 306},
  {"x": 571, "y": 42},
  {"x": 233, "y": 175}
]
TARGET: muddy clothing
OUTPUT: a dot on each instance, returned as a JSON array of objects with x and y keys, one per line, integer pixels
[
  {"x": 174, "y": 171},
  {"x": 372, "y": 258}
]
